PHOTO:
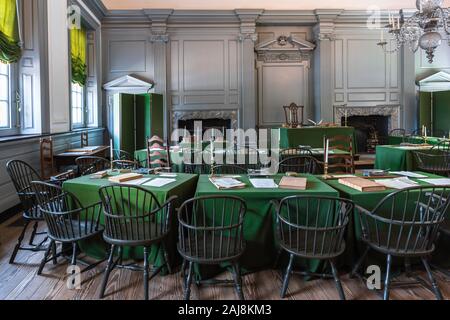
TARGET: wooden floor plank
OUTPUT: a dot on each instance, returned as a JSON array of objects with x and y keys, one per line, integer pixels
[{"x": 20, "y": 282}]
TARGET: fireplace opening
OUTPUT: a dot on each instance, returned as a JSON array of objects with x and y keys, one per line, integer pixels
[
  {"x": 207, "y": 124},
  {"x": 369, "y": 130}
]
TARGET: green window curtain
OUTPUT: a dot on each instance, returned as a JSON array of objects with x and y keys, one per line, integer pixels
[
  {"x": 10, "y": 50},
  {"x": 78, "y": 52}
]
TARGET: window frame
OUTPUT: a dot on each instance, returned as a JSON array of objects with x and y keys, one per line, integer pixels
[
  {"x": 15, "y": 115},
  {"x": 86, "y": 108}
]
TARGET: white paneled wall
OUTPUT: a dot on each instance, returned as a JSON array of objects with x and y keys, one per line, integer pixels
[{"x": 364, "y": 75}]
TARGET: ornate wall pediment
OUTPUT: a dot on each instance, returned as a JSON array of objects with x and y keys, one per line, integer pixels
[{"x": 285, "y": 49}]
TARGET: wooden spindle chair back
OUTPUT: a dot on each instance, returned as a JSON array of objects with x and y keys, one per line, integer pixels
[
  {"x": 299, "y": 164},
  {"x": 90, "y": 165},
  {"x": 435, "y": 163},
  {"x": 46, "y": 158},
  {"x": 406, "y": 223},
  {"x": 22, "y": 174},
  {"x": 340, "y": 163},
  {"x": 211, "y": 229},
  {"x": 313, "y": 226},
  {"x": 134, "y": 216},
  {"x": 67, "y": 220},
  {"x": 228, "y": 169},
  {"x": 158, "y": 153},
  {"x": 125, "y": 165}
]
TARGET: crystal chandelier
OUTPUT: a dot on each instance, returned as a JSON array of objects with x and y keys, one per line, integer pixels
[{"x": 424, "y": 29}]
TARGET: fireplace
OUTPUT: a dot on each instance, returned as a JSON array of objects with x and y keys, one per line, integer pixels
[
  {"x": 368, "y": 131},
  {"x": 384, "y": 118},
  {"x": 207, "y": 124}
]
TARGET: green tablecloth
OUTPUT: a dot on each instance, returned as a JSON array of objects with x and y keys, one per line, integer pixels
[
  {"x": 311, "y": 136},
  {"x": 86, "y": 190},
  {"x": 398, "y": 140},
  {"x": 259, "y": 224},
  {"x": 397, "y": 158},
  {"x": 367, "y": 200}
]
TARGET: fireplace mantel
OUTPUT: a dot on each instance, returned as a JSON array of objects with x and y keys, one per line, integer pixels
[{"x": 391, "y": 111}]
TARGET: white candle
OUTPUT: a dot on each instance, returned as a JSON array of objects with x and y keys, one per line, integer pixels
[
  {"x": 111, "y": 149},
  {"x": 398, "y": 22},
  {"x": 327, "y": 151},
  {"x": 212, "y": 152}
]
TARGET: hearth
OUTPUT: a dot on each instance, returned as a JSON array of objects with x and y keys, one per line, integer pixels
[{"x": 369, "y": 130}]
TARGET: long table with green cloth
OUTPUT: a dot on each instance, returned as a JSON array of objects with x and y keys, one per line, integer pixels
[
  {"x": 87, "y": 191},
  {"x": 260, "y": 221},
  {"x": 393, "y": 140},
  {"x": 398, "y": 158},
  {"x": 369, "y": 200},
  {"x": 312, "y": 136}
]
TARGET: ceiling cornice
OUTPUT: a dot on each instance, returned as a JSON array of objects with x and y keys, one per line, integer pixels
[{"x": 134, "y": 18}]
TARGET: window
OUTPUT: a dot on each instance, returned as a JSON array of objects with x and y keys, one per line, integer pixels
[
  {"x": 5, "y": 97},
  {"x": 77, "y": 105}
]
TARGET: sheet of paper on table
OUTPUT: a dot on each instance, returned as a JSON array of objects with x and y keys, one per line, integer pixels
[
  {"x": 227, "y": 183},
  {"x": 437, "y": 182},
  {"x": 398, "y": 183},
  {"x": 264, "y": 183},
  {"x": 168, "y": 175},
  {"x": 415, "y": 148},
  {"x": 137, "y": 182},
  {"x": 409, "y": 174},
  {"x": 159, "y": 182}
]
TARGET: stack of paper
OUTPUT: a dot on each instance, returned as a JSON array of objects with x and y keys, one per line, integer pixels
[
  {"x": 159, "y": 182},
  {"x": 437, "y": 182},
  {"x": 398, "y": 183},
  {"x": 137, "y": 182},
  {"x": 408, "y": 174},
  {"x": 227, "y": 183},
  {"x": 263, "y": 183}
]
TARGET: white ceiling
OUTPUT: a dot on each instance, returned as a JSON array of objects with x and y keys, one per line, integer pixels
[{"x": 260, "y": 4}]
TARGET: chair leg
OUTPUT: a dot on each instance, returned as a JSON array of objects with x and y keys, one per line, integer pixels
[
  {"x": 33, "y": 233},
  {"x": 358, "y": 264},
  {"x": 166, "y": 258},
  {"x": 434, "y": 284},
  {"x": 387, "y": 281},
  {"x": 54, "y": 253},
  {"x": 108, "y": 270},
  {"x": 287, "y": 276},
  {"x": 337, "y": 280},
  {"x": 146, "y": 272},
  {"x": 74, "y": 254},
  {"x": 19, "y": 242},
  {"x": 238, "y": 280},
  {"x": 188, "y": 282},
  {"x": 45, "y": 258}
]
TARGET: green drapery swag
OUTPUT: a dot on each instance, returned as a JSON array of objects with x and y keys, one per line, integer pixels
[
  {"x": 78, "y": 55},
  {"x": 10, "y": 50}
]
